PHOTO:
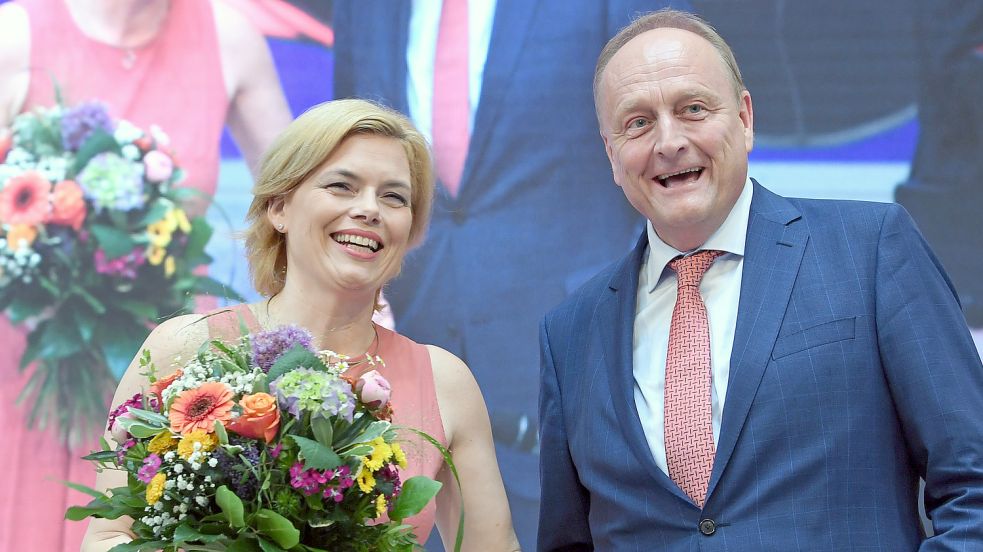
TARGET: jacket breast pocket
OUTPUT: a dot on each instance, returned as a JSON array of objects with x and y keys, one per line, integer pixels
[{"x": 814, "y": 336}]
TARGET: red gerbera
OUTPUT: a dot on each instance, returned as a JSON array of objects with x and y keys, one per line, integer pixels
[
  {"x": 201, "y": 407},
  {"x": 26, "y": 199}
]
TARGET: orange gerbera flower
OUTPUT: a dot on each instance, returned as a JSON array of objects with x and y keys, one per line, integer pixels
[
  {"x": 26, "y": 199},
  {"x": 201, "y": 407}
]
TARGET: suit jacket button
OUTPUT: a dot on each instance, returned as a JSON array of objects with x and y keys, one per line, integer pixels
[{"x": 708, "y": 527}]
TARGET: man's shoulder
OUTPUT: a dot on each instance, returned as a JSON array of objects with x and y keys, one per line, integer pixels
[{"x": 585, "y": 298}]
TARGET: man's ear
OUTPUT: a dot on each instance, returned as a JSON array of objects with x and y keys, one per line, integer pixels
[
  {"x": 747, "y": 117},
  {"x": 610, "y": 151}
]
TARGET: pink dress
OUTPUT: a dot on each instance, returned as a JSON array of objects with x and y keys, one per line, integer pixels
[
  {"x": 176, "y": 82},
  {"x": 414, "y": 399}
]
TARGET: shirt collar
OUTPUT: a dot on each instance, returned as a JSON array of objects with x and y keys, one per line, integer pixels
[{"x": 729, "y": 237}]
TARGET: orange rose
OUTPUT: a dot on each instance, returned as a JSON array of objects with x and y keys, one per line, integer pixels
[
  {"x": 158, "y": 387},
  {"x": 68, "y": 204},
  {"x": 260, "y": 417},
  {"x": 20, "y": 232}
]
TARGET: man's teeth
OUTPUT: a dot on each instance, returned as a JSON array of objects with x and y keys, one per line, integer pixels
[
  {"x": 665, "y": 177},
  {"x": 358, "y": 240}
]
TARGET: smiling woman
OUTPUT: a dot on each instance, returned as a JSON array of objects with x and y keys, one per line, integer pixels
[{"x": 341, "y": 195}]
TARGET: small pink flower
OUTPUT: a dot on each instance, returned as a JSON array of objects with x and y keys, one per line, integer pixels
[
  {"x": 373, "y": 389},
  {"x": 158, "y": 166}
]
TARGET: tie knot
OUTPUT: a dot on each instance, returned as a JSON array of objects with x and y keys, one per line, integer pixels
[{"x": 690, "y": 270}]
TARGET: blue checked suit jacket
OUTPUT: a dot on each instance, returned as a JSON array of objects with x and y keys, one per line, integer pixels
[{"x": 852, "y": 374}]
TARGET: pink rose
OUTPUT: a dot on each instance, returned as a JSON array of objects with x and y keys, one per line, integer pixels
[
  {"x": 119, "y": 433},
  {"x": 158, "y": 166},
  {"x": 373, "y": 389}
]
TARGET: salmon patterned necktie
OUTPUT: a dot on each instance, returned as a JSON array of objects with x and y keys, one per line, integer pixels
[
  {"x": 689, "y": 429},
  {"x": 451, "y": 106}
]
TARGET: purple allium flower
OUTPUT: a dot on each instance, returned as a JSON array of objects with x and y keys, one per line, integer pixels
[
  {"x": 151, "y": 465},
  {"x": 78, "y": 123},
  {"x": 239, "y": 476},
  {"x": 269, "y": 345}
]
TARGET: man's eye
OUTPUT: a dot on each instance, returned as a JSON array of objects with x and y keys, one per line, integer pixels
[
  {"x": 637, "y": 123},
  {"x": 694, "y": 109}
]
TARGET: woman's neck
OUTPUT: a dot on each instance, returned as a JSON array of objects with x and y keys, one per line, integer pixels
[
  {"x": 339, "y": 323},
  {"x": 120, "y": 23}
]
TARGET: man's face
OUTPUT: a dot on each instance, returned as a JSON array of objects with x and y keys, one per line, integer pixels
[{"x": 676, "y": 132}]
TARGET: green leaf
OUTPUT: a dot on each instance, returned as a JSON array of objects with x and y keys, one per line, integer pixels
[
  {"x": 156, "y": 212},
  {"x": 416, "y": 494},
  {"x": 268, "y": 546},
  {"x": 201, "y": 232},
  {"x": 315, "y": 455},
  {"x": 297, "y": 356},
  {"x": 245, "y": 543},
  {"x": 101, "y": 456},
  {"x": 139, "y": 429},
  {"x": 149, "y": 416},
  {"x": 185, "y": 533},
  {"x": 321, "y": 427},
  {"x": 112, "y": 240},
  {"x": 98, "y": 142},
  {"x": 231, "y": 506},
  {"x": 277, "y": 528},
  {"x": 223, "y": 436},
  {"x": 78, "y": 513},
  {"x": 84, "y": 489},
  {"x": 140, "y": 545}
]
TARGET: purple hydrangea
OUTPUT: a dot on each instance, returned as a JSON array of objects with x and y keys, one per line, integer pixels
[
  {"x": 112, "y": 182},
  {"x": 320, "y": 393},
  {"x": 78, "y": 123},
  {"x": 269, "y": 345}
]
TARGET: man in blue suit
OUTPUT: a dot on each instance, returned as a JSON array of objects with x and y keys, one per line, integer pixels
[
  {"x": 532, "y": 217},
  {"x": 828, "y": 363}
]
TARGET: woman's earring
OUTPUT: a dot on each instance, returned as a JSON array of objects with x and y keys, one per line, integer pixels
[{"x": 279, "y": 227}]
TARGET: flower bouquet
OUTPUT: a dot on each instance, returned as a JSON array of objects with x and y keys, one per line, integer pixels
[
  {"x": 261, "y": 445},
  {"x": 95, "y": 247}
]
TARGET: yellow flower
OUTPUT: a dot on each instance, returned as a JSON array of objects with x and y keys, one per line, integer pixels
[
  {"x": 365, "y": 480},
  {"x": 155, "y": 255},
  {"x": 183, "y": 223},
  {"x": 380, "y": 453},
  {"x": 159, "y": 232},
  {"x": 169, "y": 266},
  {"x": 399, "y": 455},
  {"x": 186, "y": 447},
  {"x": 155, "y": 489},
  {"x": 380, "y": 505},
  {"x": 162, "y": 442}
]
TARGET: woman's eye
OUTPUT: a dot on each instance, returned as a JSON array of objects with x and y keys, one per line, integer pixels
[
  {"x": 396, "y": 199},
  {"x": 338, "y": 186}
]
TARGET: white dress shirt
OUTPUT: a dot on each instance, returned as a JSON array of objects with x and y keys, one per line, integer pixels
[
  {"x": 721, "y": 292},
  {"x": 422, "y": 46}
]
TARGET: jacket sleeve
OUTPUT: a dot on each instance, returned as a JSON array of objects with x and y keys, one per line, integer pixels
[
  {"x": 565, "y": 503},
  {"x": 936, "y": 380}
]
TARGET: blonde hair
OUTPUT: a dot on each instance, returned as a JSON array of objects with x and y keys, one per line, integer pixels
[
  {"x": 668, "y": 18},
  {"x": 301, "y": 150}
]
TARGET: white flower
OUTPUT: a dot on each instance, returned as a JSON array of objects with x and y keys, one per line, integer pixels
[
  {"x": 179, "y": 468},
  {"x": 202, "y": 501},
  {"x": 130, "y": 152},
  {"x": 126, "y": 132}
]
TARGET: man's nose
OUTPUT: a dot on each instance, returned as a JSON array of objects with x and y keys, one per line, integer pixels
[{"x": 670, "y": 138}]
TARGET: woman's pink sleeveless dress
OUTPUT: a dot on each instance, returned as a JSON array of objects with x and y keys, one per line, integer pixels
[
  {"x": 175, "y": 82},
  {"x": 414, "y": 399}
]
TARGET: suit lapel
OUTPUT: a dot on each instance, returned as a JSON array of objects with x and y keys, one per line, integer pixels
[
  {"x": 614, "y": 323},
  {"x": 513, "y": 20},
  {"x": 773, "y": 252}
]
